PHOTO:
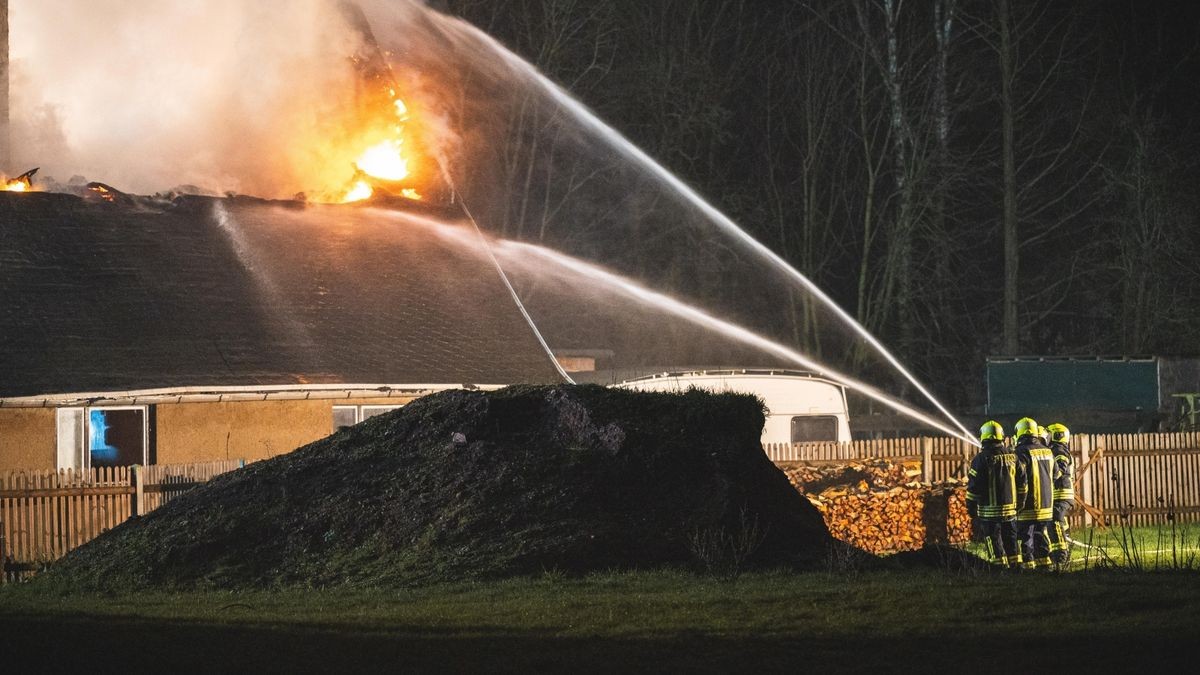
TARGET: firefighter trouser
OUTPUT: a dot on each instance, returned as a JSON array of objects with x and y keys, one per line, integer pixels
[
  {"x": 1060, "y": 548},
  {"x": 1035, "y": 543},
  {"x": 1000, "y": 538}
]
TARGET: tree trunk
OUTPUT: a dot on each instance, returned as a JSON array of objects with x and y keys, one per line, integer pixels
[
  {"x": 901, "y": 241},
  {"x": 1009, "y": 217}
]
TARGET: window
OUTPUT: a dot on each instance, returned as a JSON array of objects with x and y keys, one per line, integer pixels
[
  {"x": 369, "y": 411},
  {"x": 344, "y": 416},
  {"x": 101, "y": 437},
  {"x": 116, "y": 437},
  {"x": 814, "y": 429},
  {"x": 349, "y": 415}
]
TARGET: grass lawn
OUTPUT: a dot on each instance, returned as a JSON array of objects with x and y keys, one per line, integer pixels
[
  {"x": 910, "y": 621},
  {"x": 1148, "y": 548}
]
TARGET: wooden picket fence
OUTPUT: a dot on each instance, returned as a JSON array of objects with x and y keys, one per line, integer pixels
[
  {"x": 1140, "y": 479},
  {"x": 941, "y": 458},
  {"x": 46, "y": 514}
]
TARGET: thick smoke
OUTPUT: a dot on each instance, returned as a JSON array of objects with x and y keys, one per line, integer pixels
[{"x": 146, "y": 95}]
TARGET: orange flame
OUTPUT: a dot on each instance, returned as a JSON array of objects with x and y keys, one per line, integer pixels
[
  {"x": 104, "y": 193},
  {"x": 22, "y": 183},
  {"x": 383, "y": 160},
  {"x": 361, "y": 190}
]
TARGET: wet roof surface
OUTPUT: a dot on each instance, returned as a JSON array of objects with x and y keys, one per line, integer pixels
[{"x": 107, "y": 297}]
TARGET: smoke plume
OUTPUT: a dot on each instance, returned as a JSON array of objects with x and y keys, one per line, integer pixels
[{"x": 227, "y": 95}]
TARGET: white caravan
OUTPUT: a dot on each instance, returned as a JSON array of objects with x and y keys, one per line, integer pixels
[{"x": 801, "y": 408}]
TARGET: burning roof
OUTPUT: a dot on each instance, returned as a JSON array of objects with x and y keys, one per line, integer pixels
[
  {"x": 22, "y": 183},
  {"x": 382, "y": 137},
  {"x": 137, "y": 293}
]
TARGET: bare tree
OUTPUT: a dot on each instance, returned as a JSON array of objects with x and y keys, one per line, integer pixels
[{"x": 1043, "y": 57}]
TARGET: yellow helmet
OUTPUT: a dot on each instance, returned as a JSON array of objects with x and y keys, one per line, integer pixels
[
  {"x": 991, "y": 430},
  {"x": 1025, "y": 426},
  {"x": 1059, "y": 433}
]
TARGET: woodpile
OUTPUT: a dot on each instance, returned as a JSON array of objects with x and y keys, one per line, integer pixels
[{"x": 881, "y": 505}]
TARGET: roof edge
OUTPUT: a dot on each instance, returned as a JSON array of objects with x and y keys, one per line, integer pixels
[{"x": 221, "y": 394}]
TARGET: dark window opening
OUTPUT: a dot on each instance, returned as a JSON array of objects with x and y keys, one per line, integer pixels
[
  {"x": 116, "y": 437},
  {"x": 814, "y": 429}
]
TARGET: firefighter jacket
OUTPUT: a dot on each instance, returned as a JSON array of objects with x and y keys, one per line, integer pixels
[
  {"x": 1035, "y": 495},
  {"x": 1064, "y": 473},
  {"x": 992, "y": 483}
]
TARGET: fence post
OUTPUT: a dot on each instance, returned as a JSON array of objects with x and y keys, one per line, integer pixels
[
  {"x": 1085, "y": 453},
  {"x": 926, "y": 460},
  {"x": 135, "y": 477}
]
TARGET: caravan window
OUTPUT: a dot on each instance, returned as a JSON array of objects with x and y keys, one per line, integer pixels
[{"x": 814, "y": 429}]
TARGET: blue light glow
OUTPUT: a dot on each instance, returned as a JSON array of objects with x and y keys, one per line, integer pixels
[{"x": 102, "y": 452}]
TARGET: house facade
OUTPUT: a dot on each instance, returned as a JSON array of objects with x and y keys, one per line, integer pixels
[{"x": 162, "y": 332}]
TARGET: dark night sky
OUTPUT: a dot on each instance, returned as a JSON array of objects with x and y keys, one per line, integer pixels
[{"x": 1160, "y": 41}]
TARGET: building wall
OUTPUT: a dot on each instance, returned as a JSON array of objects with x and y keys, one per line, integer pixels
[
  {"x": 189, "y": 432},
  {"x": 28, "y": 438},
  {"x": 249, "y": 430}
]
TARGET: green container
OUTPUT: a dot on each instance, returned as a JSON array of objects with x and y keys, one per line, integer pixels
[{"x": 1087, "y": 394}]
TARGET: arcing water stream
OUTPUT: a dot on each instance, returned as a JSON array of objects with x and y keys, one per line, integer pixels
[
  {"x": 531, "y": 260},
  {"x": 634, "y": 154}
]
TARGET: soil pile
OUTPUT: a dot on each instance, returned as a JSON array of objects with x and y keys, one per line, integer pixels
[{"x": 467, "y": 484}]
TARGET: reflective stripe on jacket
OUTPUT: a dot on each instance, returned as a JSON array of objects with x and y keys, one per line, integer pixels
[
  {"x": 992, "y": 482},
  {"x": 1035, "y": 496},
  {"x": 1064, "y": 473}
]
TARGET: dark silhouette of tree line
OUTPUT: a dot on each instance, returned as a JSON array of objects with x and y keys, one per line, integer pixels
[{"x": 965, "y": 177}]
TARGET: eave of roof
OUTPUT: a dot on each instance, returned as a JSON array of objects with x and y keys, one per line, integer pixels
[{"x": 282, "y": 392}]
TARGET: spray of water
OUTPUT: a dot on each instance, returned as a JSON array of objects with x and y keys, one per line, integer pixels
[
  {"x": 589, "y": 120},
  {"x": 513, "y": 293},
  {"x": 272, "y": 294},
  {"x": 533, "y": 259}
]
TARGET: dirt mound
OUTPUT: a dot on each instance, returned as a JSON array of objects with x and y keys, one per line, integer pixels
[{"x": 467, "y": 484}]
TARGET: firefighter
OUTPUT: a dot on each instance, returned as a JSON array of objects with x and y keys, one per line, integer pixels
[
  {"x": 1064, "y": 493},
  {"x": 1035, "y": 495},
  {"x": 992, "y": 496}
]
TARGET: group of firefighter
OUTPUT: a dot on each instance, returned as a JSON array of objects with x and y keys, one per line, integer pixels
[{"x": 1019, "y": 493}]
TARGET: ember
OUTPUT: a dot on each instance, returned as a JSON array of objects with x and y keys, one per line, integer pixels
[{"x": 104, "y": 192}]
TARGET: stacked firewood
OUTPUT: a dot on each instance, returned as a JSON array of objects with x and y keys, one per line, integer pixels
[{"x": 882, "y": 506}]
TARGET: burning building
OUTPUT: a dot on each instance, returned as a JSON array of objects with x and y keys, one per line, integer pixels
[{"x": 150, "y": 330}]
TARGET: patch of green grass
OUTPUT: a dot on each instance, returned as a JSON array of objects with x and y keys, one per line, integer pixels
[
  {"x": 631, "y": 621},
  {"x": 1144, "y": 548}
]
